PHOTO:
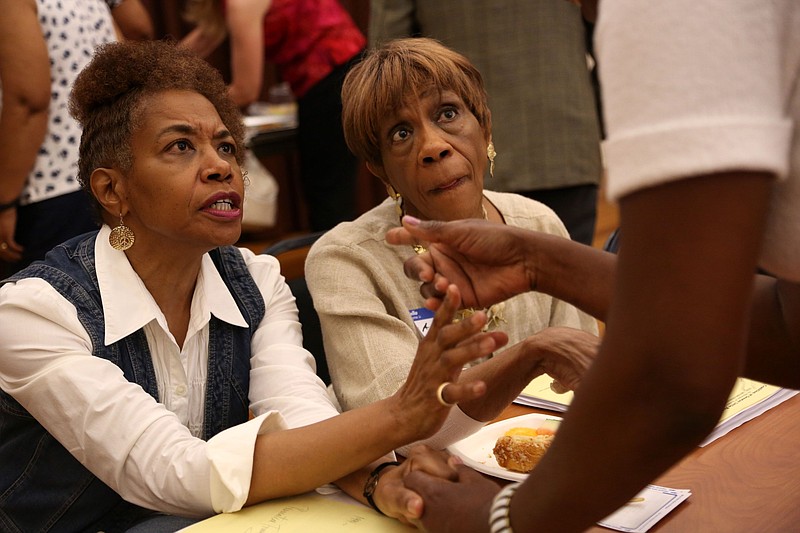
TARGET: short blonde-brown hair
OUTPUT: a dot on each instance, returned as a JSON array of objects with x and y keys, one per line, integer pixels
[{"x": 380, "y": 83}]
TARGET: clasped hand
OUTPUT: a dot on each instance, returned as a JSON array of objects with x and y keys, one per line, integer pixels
[{"x": 431, "y": 476}]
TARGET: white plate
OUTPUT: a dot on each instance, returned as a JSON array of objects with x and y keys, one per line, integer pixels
[{"x": 476, "y": 450}]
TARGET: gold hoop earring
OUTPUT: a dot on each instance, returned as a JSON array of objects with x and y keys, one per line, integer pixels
[
  {"x": 491, "y": 154},
  {"x": 121, "y": 237}
]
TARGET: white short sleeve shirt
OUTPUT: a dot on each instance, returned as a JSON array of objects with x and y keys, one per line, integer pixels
[{"x": 693, "y": 88}]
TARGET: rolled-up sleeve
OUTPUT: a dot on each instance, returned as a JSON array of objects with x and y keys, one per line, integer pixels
[{"x": 676, "y": 106}]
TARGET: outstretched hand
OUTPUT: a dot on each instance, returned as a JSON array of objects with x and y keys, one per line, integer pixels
[
  {"x": 564, "y": 354},
  {"x": 486, "y": 261},
  {"x": 441, "y": 356}
]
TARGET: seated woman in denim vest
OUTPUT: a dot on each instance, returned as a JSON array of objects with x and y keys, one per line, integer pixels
[{"x": 131, "y": 357}]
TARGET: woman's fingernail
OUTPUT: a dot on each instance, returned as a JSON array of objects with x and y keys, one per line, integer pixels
[{"x": 411, "y": 221}]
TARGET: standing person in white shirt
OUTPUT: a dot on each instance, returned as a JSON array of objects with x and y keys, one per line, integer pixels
[
  {"x": 133, "y": 357},
  {"x": 702, "y": 102}
]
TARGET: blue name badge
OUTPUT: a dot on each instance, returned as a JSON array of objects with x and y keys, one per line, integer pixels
[{"x": 423, "y": 318}]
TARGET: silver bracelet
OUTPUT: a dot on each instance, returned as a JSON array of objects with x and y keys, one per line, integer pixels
[{"x": 499, "y": 519}]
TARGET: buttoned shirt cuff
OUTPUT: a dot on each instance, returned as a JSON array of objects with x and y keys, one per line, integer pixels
[{"x": 230, "y": 455}]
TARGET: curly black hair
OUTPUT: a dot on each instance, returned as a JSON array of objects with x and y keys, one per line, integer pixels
[{"x": 109, "y": 92}]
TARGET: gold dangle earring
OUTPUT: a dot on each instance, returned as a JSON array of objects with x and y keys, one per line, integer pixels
[
  {"x": 121, "y": 237},
  {"x": 398, "y": 205},
  {"x": 398, "y": 200},
  {"x": 491, "y": 154}
]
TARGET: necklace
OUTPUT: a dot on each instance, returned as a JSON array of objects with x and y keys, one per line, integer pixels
[{"x": 494, "y": 314}]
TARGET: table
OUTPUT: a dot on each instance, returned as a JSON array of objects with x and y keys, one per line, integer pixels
[{"x": 748, "y": 480}]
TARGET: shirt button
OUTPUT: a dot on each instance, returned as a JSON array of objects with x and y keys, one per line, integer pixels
[{"x": 180, "y": 390}]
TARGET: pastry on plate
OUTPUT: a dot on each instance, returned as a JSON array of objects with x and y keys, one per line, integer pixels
[{"x": 520, "y": 448}]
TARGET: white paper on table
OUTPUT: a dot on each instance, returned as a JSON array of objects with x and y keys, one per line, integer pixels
[
  {"x": 538, "y": 394},
  {"x": 747, "y": 400},
  {"x": 639, "y": 516}
]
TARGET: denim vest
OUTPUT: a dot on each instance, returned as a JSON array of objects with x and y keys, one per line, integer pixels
[{"x": 42, "y": 486}]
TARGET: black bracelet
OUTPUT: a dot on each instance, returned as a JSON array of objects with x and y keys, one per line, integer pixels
[
  {"x": 372, "y": 483},
  {"x": 9, "y": 205}
]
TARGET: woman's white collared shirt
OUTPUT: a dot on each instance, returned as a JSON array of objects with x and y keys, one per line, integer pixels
[{"x": 149, "y": 452}]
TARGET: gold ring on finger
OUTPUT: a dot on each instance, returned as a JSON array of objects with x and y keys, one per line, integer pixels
[{"x": 440, "y": 394}]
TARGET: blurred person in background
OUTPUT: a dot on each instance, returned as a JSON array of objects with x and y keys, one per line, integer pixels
[
  {"x": 131, "y": 19},
  {"x": 44, "y": 44},
  {"x": 313, "y": 43}
]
